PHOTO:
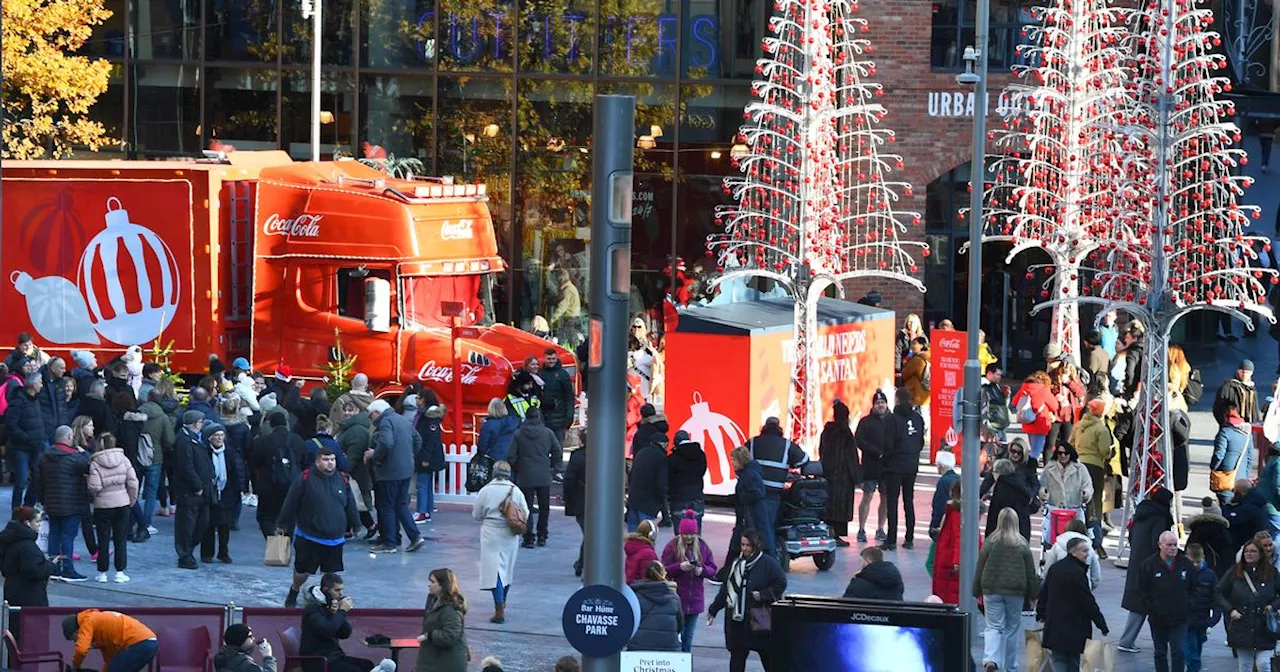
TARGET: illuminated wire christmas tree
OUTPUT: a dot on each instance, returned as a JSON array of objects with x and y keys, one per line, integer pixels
[
  {"x": 815, "y": 203},
  {"x": 1058, "y": 150}
]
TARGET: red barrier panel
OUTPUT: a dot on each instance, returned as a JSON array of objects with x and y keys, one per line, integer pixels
[
  {"x": 41, "y": 628},
  {"x": 394, "y": 623}
]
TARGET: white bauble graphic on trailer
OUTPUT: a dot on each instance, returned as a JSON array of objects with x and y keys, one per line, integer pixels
[
  {"x": 718, "y": 435},
  {"x": 56, "y": 308},
  {"x": 130, "y": 278}
]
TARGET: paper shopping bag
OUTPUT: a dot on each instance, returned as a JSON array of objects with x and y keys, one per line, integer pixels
[
  {"x": 1036, "y": 658},
  {"x": 1099, "y": 656},
  {"x": 279, "y": 549}
]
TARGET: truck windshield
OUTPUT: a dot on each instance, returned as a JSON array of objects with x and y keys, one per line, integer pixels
[{"x": 423, "y": 295}]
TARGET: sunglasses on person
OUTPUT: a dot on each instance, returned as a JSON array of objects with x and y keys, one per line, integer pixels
[{"x": 1059, "y": 453}]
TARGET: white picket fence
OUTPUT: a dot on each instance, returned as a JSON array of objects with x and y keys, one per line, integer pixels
[{"x": 451, "y": 484}]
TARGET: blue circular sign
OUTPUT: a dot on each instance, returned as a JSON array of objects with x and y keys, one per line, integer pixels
[{"x": 599, "y": 620}]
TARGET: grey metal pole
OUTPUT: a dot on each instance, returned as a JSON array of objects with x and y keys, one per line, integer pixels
[
  {"x": 972, "y": 375},
  {"x": 609, "y": 292},
  {"x": 317, "y": 28}
]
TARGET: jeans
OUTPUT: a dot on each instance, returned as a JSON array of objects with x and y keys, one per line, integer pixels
[
  {"x": 23, "y": 466},
  {"x": 62, "y": 539},
  {"x": 147, "y": 500},
  {"x": 895, "y": 485},
  {"x": 1036, "y": 442},
  {"x": 426, "y": 483},
  {"x": 393, "y": 512},
  {"x": 189, "y": 527},
  {"x": 1132, "y": 628},
  {"x": 543, "y": 496},
  {"x": 1004, "y": 627},
  {"x": 582, "y": 527},
  {"x": 769, "y": 535},
  {"x": 1170, "y": 644},
  {"x": 678, "y": 509},
  {"x": 1253, "y": 661},
  {"x": 1093, "y": 513},
  {"x": 135, "y": 658},
  {"x": 686, "y": 635},
  {"x": 1064, "y": 661},
  {"x": 113, "y": 531},
  {"x": 500, "y": 593},
  {"x": 1196, "y": 637},
  {"x": 633, "y": 517}
]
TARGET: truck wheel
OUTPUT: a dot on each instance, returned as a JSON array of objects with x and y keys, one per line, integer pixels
[{"x": 824, "y": 561}]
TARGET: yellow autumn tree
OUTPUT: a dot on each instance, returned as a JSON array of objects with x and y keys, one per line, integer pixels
[{"x": 47, "y": 88}]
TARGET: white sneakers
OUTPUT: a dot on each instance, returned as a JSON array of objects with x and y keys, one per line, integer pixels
[
  {"x": 121, "y": 577},
  {"x": 387, "y": 665},
  {"x": 101, "y": 577},
  {"x": 151, "y": 529}
]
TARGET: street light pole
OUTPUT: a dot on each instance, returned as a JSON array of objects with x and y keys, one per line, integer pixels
[{"x": 312, "y": 9}]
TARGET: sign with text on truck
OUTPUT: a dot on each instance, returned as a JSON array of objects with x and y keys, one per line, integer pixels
[{"x": 260, "y": 256}]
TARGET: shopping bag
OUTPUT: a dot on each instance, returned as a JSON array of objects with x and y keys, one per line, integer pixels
[
  {"x": 928, "y": 559},
  {"x": 42, "y": 537},
  {"x": 359, "y": 495},
  {"x": 1099, "y": 656},
  {"x": 1037, "y": 659},
  {"x": 279, "y": 550}
]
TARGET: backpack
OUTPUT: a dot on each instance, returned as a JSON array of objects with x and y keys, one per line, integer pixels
[
  {"x": 283, "y": 470},
  {"x": 1195, "y": 388},
  {"x": 1026, "y": 414},
  {"x": 146, "y": 450}
]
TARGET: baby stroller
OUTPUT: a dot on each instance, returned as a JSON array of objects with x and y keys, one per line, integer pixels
[{"x": 801, "y": 531}]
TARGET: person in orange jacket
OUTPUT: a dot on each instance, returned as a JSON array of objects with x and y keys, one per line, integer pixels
[
  {"x": 125, "y": 643},
  {"x": 634, "y": 401}
]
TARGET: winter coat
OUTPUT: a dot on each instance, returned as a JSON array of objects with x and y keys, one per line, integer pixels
[
  {"x": 575, "y": 484},
  {"x": 647, "y": 484},
  {"x": 25, "y": 567},
  {"x": 1043, "y": 402},
  {"x": 661, "y": 618},
  {"x": 223, "y": 508},
  {"x": 1269, "y": 484},
  {"x": 1232, "y": 447},
  {"x": 54, "y": 408},
  {"x": 1059, "y": 551},
  {"x": 323, "y": 440},
  {"x": 876, "y": 581},
  {"x": 690, "y": 586},
  {"x": 1203, "y": 598},
  {"x": 766, "y": 577},
  {"x": 498, "y": 546},
  {"x": 280, "y": 443},
  {"x": 393, "y": 448},
  {"x": 1024, "y": 472},
  {"x": 320, "y": 507},
  {"x": 1164, "y": 590},
  {"x": 915, "y": 377},
  {"x": 355, "y": 437},
  {"x": 25, "y": 423},
  {"x": 446, "y": 647},
  {"x": 1246, "y": 517},
  {"x": 112, "y": 480},
  {"x": 60, "y": 481},
  {"x": 558, "y": 397},
  {"x": 1213, "y": 533},
  {"x": 1066, "y": 488},
  {"x": 159, "y": 427},
  {"x": 749, "y": 506},
  {"x": 233, "y": 659},
  {"x": 1150, "y": 519},
  {"x": 535, "y": 455},
  {"x": 946, "y": 556},
  {"x": 244, "y": 390},
  {"x": 645, "y": 432},
  {"x": 904, "y": 458},
  {"x": 1005, "y": 569},
  {"x": 1011, "y": 493},
  {"x": 192, "y": 471},
  {"x": 1250, "y": 632},
  {"x": 839, "y": 455},
  {"x": 1245, "y": 395},
  {"x": 1067, "y": 607},
  {"x": 322, "y": 630},
  {"x": 686, "y": 469},
  {"x": 308, "y": 410},
  {"x": 877, "y": 436},
  {"x": 430, "y": 458},
  {"x": 941, "y": 495},
  {"x": 210, "y": 415},
  {"x": 1092, "y": 439},
  {"x": 639, "y": 553},
  {"x": 103, "y": 419},
  {"x": 495, "y": 436},
  {"x": 129, "y": 429}
]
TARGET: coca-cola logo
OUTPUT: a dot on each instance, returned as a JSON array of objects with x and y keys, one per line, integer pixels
[
  {"x": 306, "y": 226},
  {"x": 949, "y": 343},
  {"x": 459, "y": 230},
  {"x": 437, "y": 373}
]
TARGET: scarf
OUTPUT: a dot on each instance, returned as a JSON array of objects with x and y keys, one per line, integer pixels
[
  {"x": 737, "y": 593},
  {"x": 220, "y": 468}
]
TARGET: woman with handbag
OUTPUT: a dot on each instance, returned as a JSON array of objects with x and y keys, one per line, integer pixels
[
  {"x": 1247, "y": 595},
  {"x": 755, "y": 582},
  {"x": 443, "y": 642},
  {"x": 503, "y": 513}
]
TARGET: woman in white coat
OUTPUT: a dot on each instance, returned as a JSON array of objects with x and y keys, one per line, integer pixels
[{"x": 498, "y": 543}]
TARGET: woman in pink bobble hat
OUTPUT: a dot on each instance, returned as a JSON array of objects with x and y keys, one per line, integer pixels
[{"x": 689, "y": 563}]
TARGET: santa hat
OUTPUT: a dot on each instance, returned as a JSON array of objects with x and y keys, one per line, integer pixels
[{"x": 283, "y": 372}]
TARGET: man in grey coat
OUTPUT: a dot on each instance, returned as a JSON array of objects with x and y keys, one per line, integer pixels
[
  {"x": 535, "y": 455},
  {"x": 391, "y": 457}
]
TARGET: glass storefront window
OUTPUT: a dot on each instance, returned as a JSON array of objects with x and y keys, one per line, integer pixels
[
  {"x": 240, "y": 107},
  {"x": 722, "y": 40},
  {"x": 397, "y": 34},
  {"x": 953, "y": 30},
  {"x": 336, "y": 37},
  {"x": 108, "y": 38},
  {"x": 638, "y": 38},
  {"x": 164, "y": 117},
  {"x": 168, "y": 29},
  {"x": 477, "y": 36},
  {"x": 108, "y": 110},
  {"x": 337, "y": 106},
  {"x": 557, "y": 36},
  {"x": 397, "y": 118},
  {"x": 242, "y": 30}
]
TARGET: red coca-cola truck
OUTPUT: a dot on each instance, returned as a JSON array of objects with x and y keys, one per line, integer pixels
[{"x": 254, "y": 254}]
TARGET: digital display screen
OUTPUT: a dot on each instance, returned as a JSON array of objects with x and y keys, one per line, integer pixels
[{"x": 866, "y": 647}]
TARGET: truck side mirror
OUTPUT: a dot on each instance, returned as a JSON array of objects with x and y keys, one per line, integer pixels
[{"x": 377, "y": 304}]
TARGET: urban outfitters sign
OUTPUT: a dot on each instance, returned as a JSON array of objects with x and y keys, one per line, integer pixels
[{"x": 960, "y": 104}]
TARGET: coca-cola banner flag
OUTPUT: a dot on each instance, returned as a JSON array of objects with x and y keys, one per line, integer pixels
[{"x": 947, "y": 350}]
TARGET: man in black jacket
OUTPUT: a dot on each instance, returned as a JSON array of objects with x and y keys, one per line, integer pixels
[
  {"x": 274, "y": 463},
  {"x": 191, "y": 487},
  {"x": 557, "y": 395},
  {"x": 1246, "y": 515},
  {"x": 878, "y": 580},
  {"x": 876, "y": 436},
  {"x": 1166, "y": 582},
  {"x": 535, "y": 457},
  {"x": 53, "y": 398},
  {"x": 27, "y": 437},
  {"x": 321, "y": 510},
  {"x": 687, "y": 466},
  {"x": 575, "y": 492},
  {"x": 651, "y": 422},
  {"x": 647, "y": 485},
  {"x": 1066, "y": 607},
  {"x": 899, "y": 470},
  {"x": 324, "y": 624},
  {"x": 1241, "y": 390},
  {"x": 61, "y": 485}
]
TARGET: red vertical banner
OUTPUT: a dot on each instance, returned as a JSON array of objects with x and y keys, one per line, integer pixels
[{"x": 946, "y": 377}]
